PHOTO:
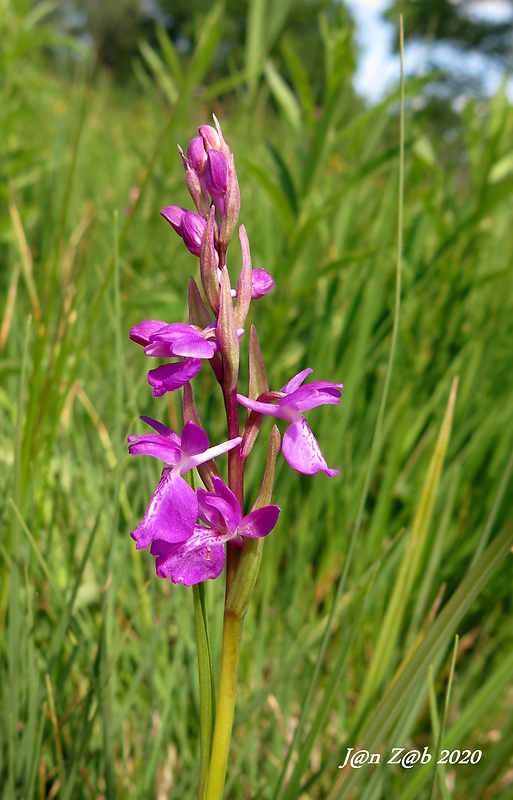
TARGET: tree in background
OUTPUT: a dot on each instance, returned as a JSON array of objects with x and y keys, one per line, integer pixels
[{"x": 464, "y": 27}]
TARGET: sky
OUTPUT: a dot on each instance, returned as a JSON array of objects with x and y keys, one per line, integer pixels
[{"x": 379, "y": 68}]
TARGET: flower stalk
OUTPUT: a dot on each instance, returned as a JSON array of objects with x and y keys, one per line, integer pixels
[
  {"x": 230, "y": 655},
  {"x": 206, "y": 685}
]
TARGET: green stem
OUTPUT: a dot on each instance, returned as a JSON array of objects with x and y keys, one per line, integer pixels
[
  {"x": 206, "y": 685},
  {"x": 232, "y": 635}
]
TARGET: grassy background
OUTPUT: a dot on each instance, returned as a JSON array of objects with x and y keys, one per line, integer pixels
[{"x": 368, "y": 576}]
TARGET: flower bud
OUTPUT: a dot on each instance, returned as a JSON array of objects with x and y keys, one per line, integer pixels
[
  {"x": 210, "y": 137},
  {"x": 192, "y": 230},
  {"x": 261, "y": 283},
  {"x": 197, "y": 156},
  {"x": 195, "y": 185},
  {"x": 216, "y": 175},
  {"x": 174, "y": 215}
]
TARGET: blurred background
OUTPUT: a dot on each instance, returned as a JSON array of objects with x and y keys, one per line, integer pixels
[{"x": 368, "y": 576}]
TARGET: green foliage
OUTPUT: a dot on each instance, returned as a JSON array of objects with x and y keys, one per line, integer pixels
[
  {"x": 368, "y": 576},
  {"x": 250, "y": 31}
]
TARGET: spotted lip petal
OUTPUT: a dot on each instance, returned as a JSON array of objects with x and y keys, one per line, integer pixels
[
  {"x": 198, "y": 559},
  {"x": 302, "y": 452}
]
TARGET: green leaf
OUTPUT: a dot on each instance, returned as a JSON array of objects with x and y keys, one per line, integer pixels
[{"x": 283, "y": 96}]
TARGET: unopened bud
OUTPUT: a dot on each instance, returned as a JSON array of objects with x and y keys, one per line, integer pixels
[
  {"x": 193, "y": 228},
  {"x": 210, "y": 137},
  {"x": 261, "y": 283},
  {"x": 174, "y": 215},
  {"x": 197, "y": 156},
  {"x": 216, "y": 176}
]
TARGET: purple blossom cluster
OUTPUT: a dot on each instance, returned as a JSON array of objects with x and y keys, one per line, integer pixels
[{"x": 188, "y": 530}]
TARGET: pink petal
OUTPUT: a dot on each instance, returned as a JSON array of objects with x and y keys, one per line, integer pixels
[
  {"x": 212, "y": 452},
  {"x": 259, "y": 522},
  {"x": 156, "y": 446},
  {"x": 198, "y": 559},
  {"x": 311, "y": 395},
  {"x": 216, "y": 175},
  {"x": 296, "y": 381},
  {"x": 194, "y": 439},
  {"x": 171, "y": 514},
  {"x": 302, "y": 452},
  {"x": 142, "y": 332},
  {"x": 174, "y": 215},
  {"x": 270, "y": 409},
  {"x": 220, "y": 514},
  {"x": 169, "y": 377},
  {"x": 162, "y": 429}
]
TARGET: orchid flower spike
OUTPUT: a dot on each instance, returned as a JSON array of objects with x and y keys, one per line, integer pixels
[
  {"x": 300, "y": 447},
  {"x": 173, "y": 509},
  {"x": 202, "y": 556}
]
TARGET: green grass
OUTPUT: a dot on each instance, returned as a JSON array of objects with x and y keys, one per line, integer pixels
[{"x": 98, "y": 674}]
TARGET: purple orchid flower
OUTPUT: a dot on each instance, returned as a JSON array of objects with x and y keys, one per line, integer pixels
[
  {"x": 201, "y": 557},
  {"x": 162, "y": 340},
  {"x": 165, "y": 340},
  {"x": 300, "y": 447},
  {"x": 173, "y": 509}
]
